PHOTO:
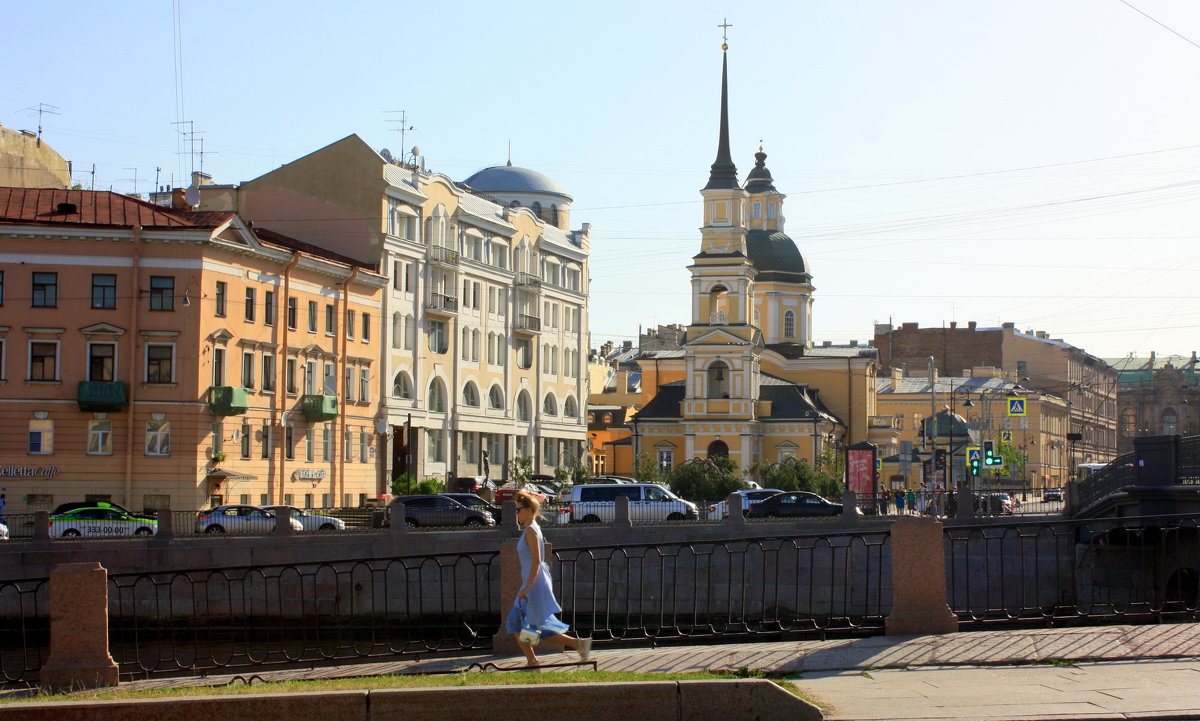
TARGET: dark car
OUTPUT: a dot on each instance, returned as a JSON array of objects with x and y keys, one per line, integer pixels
[
  {"x": 438, "y": 510},
  {"x": 470, "y": 500},
  {"x": 63, "y": 508},
  {"x": 793, "y": 504}
]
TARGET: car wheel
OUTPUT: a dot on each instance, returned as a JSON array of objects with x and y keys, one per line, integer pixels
[
  {"x": 71, "y": 533},
  {"x": 675, "y": 517},
  {"x": 327, "y": 527},
  {"x": 410, "y": 523},
  {"x": 591, "y": 519},
  {"x": 143, "y": 531},
  {"x": 772, "y": 514},
  {"x": 214, "y": 529},
  {"x": 474, "y": 522}
]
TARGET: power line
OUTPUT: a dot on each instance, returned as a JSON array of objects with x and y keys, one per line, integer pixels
[{"x": 1162, "y": 25}]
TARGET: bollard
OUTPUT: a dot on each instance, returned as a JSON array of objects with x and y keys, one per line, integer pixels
[
  {"x": 919, "y": 579},
  {"x": 79, "y": 655},
  {"x": 964, "y": 503},
  {"x": 850, "y": 511},
  {"x": 508, "y": 518},
  {"x": 283, "y": 522},
  {"x": 41, "y": 526},
  {"x": 396, "y": 518},
  {"x": 504, "y": 643},
  {"x": 736, "y": 519},
  {"x": 621, "y": 515},
  {"x": 166, "y": 524}
]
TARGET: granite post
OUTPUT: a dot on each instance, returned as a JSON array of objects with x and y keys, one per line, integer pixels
[
  {"x": 79, "y": 655},
  {"x": 919, "y": 579}
]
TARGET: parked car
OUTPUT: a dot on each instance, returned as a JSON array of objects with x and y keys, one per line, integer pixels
[
  {"x": 794, "y": 504},
  {"x": 612, "y": 479},
  {"x": 470, "y": 500},
  {"x": 239, "y": 519},
  {"x": 994, "y": 503},
  {"x": 311, "y": 522},
  {"x": 1052, "y": 495},
  {"x": 438, "y": 510},
  {"x": 471, "y": 484},
  {"x": 509, "y": 491},
  {"x": 63, "y": 508},
  {"x": 597, "y": 502},
  {"x": 103, "y": 521},
  {"x": 721, "y": 510}
]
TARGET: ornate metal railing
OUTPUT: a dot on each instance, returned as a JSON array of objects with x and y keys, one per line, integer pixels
[
  {"x": 24, "y": 629},
  {"x": 1117, "y": 474}
]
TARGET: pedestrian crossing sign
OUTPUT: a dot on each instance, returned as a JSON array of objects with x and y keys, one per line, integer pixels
[
  {"x": 974, "y": 453},
  {"x": 1006, "y": 436},
  {"x": 1016, "y": 406}
]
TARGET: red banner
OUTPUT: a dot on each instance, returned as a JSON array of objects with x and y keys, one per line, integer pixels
[{"x": 860, "y": 465}]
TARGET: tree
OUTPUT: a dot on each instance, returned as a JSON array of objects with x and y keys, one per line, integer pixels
[
  {"x": 402, "y": 484},
  {"x": 706, "y": 479},
  {"x": 520, "y": 469},
  {"x": 790, "y": 474},
  {"x": 830, "y": 470},
  {"x": 646, "y": 469}
]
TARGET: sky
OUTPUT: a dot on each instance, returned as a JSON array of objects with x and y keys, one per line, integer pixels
[{"x": 999, "y": 161}]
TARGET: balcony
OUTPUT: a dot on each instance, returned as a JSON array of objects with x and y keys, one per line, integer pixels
[
  {"x": 101, "y": 396},
  {"x": 529, "y": 281},
  {"x": 319, "y": 408},
  {"x": 883, "y": 429},
  {"x": 527, "y": 324},
  {"x": 442, "y": 304},
  {"x": 445, "y": 256},
  {"x": 227, "y": 401}
]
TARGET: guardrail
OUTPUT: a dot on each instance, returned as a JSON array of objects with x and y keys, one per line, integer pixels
[
  {"x": 25, "y": 631},
  {"x": 1117, "y": 474}
]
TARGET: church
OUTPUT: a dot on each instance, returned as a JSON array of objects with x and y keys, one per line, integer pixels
[{"x": 749, "y": 383}]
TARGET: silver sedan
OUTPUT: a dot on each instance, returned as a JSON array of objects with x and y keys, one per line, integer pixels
[
  {"x": 239, "y": 519},
  {"x": 313, "y": 522}
]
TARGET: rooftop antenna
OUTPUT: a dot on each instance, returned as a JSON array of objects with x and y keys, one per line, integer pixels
[
  {"x": 510, "y": 152},
  {"x": 42, "y": 110},
  {"x": 403, "y": 121},
  {"x": 190, "y": 134},
  {"x": 134, "y": 179}
]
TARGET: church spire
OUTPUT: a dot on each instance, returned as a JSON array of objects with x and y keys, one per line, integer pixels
[{"x": 723, "y": 173}]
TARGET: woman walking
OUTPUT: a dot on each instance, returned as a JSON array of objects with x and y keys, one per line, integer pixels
[{"x": 536, "y": 592}]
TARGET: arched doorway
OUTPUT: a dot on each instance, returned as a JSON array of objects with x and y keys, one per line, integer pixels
[{"x": 718, "y": 449}]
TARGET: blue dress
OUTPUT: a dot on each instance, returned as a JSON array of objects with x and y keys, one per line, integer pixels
[{"x": 540, "y": 605}]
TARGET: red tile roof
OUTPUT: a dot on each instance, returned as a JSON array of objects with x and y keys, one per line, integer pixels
[
  {"x": 270, "y": 237},
  {"x": 96, "y": 208}
]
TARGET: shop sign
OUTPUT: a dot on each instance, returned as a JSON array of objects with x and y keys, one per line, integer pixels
[
  {"x": 15, "y": 471},
  {"x": 308, "y": 474}
]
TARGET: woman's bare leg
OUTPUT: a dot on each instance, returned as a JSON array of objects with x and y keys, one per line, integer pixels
[{"x": 531, "y": 660}]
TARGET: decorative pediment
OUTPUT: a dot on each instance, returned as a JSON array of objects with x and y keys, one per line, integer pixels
[
  {"x": 719, "y": 336},
  {"x": 101, "y": 329},
  {"x": 220, "y": 337},
  {"x": 664, "y": 444}
]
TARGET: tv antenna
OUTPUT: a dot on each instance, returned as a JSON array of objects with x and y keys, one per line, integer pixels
[
  {"x": 43, "y": 110},
  {"x": 404, "y": 126},
  {"x": 134, "y": 179},
  {"x": 190, "y": 137}
]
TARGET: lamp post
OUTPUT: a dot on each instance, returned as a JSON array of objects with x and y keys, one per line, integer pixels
[
  {"x": 1027, "y": 442},
  {"x": 968, "y": 404}
]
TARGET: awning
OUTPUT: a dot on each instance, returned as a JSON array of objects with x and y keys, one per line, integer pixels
[{"x": 223, "y": 474}]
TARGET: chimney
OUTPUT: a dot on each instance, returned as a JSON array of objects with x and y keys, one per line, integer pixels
[
  {"x": 1042, "y": 334},
  {"x": 897, "y": 376},
  {"x": 606, "y": 349},
  {"x": 179, "y": 199},
  {"x": 853, "y": 344},
  {"x": 627, "y": 345},
  {"x": 201, "y": 178},
  {"x": 971, "y": 325},
  {"x": 910, "y": 326},
  {"x": 826, "y": 344},
  {"x": 953, "y": 324},
  {"x": 1008, "y": 326}
]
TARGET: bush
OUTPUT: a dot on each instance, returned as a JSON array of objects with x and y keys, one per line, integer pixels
[
  {"x": 430, "y": 486},
  {"x": 789, "y": 474},
  {"x": 402, "y": 484},
  {"x": 706, "y": 479}
]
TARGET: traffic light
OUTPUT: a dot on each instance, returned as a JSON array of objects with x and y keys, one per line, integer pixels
[
  {"x": 990, "y": 457},
  {"x": 940, "y": 459},
  {"x": 975, "y": 466}
]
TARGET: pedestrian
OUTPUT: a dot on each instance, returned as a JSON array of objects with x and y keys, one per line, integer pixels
[
  {"x": 540, "y": 607},
  {"x": 2, "y": 504},
  {"x": 900, "y": 502},
  {"x": 911, "y": 500}
]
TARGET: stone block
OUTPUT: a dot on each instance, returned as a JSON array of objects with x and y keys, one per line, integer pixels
[
  {"x": 79, "y": 655},
  {"x": 919, "y": 579},
  {"x": 651, "y": 701},
  {"x": 318, "y": 706},
  {"x": 743, "y": 699}
]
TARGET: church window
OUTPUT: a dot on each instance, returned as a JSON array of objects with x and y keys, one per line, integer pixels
[
  {"x": 771, "y": 211},
  {"x": 1170, "y": 422},
  {"x": 718, "y": 380},
  {"x": 789, "y": 324},
  {"x": 757, "y": 209},
  {"x": 718, "y": 449}
]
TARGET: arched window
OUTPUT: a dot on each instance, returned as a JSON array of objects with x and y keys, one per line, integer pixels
[
  {"x": 591, "y": 418},
  {"x": 470, "y": 395},
  {"x": 718, "y": 305},
  {"x": 437, "y": 396},
  {"x": 402, "y": 386},
  {"x": 789, "y": 324},
  {"x": 607, "y": 419},
  {"x": 496, "y": 398},
  {"x": 550, "y": 406},
  {"x": 1170, "y": 422},
  {"x": 524, "y": 410},
  {"x": 410, "y": 332},
  {"x": 554, "y": 214},
  {"x": 718, "y": 449},
  {"x": 536, "y": 207},
  {"x": 718, "y": 380},
  {"x": 571, "y": 407}
]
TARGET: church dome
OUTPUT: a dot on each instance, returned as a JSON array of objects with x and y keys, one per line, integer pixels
[
  {"x": 776, "y": 257},
  {"x": 759, "y": 179},
  {"x": 503, "y": 179}
]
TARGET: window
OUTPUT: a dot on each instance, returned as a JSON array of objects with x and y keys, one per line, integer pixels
[
  {"x": 327, "y": 443},
  {"x": 789, "y": 324},
  {"x": 772, "y": 209},
  {"x": 437, "y": 396},
  {"x": 158, "y": 438},
  {"x": 251, "y": 299},
  {"x": 268, "y": 372},
  {"x": 470, "y": 395},
  {"x": 218, "y": 436},
  {"x": 364, "y": 385},
  {"x": 397, "y": 330},
  {"x": 269, "y": 307},
  {"x": 366, "y": 327},
  {"x": 496, "y": 398},
  {"x": 45, "y": 290},
  {"x": 571, "y": 407},
  {"x": 312, "y": 316},
  {"x": 1170, "y": 422},
  {"x": 221, "y": 295},
  {"x": 757, "y": 212},
  {"x": 466, "y": 344},
  {"x": 289, "y": 375},
  {"x": 102, "y": 359},
  {"x": 266, "y": 440},
  {"x": 330, "y": 320},
  {"x": 348, "y": 384},
  {"x": 329, "y": 384},
  {"x": 550, "y": 451},
  {"x": 718, "y": 380},
  {"x": 1, "y": 287},
  {"x": 245, "y": 440},
  {"x": 162, "y": 292},
  {"x": 309, "y": 445},
  {"x": 349, "y": 323},
  {"x": 43, "y": 360},
  {"x": 549, "y": 405},
  {"x": 438, "y": 336},
  {"x": 402, "y": 386},
  {"x": 666, "y": 461},
  {"x": 310, "y": 378},
  {"x": 104, "y": 291},
  {"x": 289, "y": 443},
  {"x": 524, "y": 412},
  {"x": 218, "y": 364},
  {"x": 524, "y": 353},
  {"x": 347, "y": 445},
  {"x": 436, "y": 445},
  {"x": 247, "y": 369},
  {"x": 410, "y": 332},
  {"x": 99, "y": 438},
  {"x": 41, "y": 437}
]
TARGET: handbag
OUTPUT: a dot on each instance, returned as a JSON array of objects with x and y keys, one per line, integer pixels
[{"x": 529, "y": 634}]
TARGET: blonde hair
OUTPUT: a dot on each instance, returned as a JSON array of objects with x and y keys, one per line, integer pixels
[{"x": 525, "y": 499}]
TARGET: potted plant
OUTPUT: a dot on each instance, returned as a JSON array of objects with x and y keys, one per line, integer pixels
[{"x": 218, "y": 457}]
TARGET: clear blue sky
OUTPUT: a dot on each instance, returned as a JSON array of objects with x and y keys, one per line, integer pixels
[{"x": 1004, "y": 160}]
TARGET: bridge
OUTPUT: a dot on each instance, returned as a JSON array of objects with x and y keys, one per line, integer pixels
[{"x": 1161, "y": 475}]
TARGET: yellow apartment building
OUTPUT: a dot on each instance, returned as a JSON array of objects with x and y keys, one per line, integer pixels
[
  {"x": 164, "y": 358},
  {"x": 484, "y": 340}
]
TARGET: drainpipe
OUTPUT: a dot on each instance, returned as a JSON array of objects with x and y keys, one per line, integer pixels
[
  {"x": 276, "y": 482},
  {"x": 131, "y": 364},
  {"x": 338, "y": 485}
]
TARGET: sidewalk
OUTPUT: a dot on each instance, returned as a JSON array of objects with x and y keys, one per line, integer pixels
[{"x": 1104, "y": 672}]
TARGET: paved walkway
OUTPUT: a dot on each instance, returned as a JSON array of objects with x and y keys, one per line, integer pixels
[{"x": 1105, "y": 672}]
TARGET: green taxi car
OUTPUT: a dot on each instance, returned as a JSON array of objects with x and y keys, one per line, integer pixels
[{"x": 100, "y": 521}]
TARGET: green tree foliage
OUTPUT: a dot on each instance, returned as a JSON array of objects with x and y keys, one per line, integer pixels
[
  {"x": 790, "y": 474},
  {"x": 830, "y": 470},
  {"x": 402, "y": 484},
  {"x": 707, "y": 479},
  {"x": 646, "y": 469},
  {"x": 519, "y": 470},
  {"x": 430, "y": 486}
]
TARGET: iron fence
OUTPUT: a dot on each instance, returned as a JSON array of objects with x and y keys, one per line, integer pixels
[
  {"x": 25, "y": 629},
  {"x": 1187, "y": 461},
  {"x": 1114, "y": 570},
  {"x": 197, "y": 622},
  {"x": 1117, "y": 474},
  {"x": 809, "y": 583}
]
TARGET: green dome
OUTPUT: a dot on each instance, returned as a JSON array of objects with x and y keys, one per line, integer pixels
[{"x": 946, "y": 425}]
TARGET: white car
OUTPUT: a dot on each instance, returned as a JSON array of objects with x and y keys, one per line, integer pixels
[
  {"x": 239, "y": 519},
  {"x": 721, "y": 510},
  {"x": 99, "y": 521},
  {"x": 312, "y": 522}
]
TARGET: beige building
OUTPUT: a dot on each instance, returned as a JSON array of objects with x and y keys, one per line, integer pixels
[
  {"x": 484, "y": 340},
  {"x": 28, "y": 162},
  {"x": 168, "y": 358}
]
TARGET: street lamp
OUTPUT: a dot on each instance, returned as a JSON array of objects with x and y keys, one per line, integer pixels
[
  {"x": 1027, "y": 442},
  {"x": 950, "y": 485}
]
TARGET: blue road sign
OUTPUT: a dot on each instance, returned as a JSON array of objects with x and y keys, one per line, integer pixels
[
  {"x": 1006, "y": 436},
  {"x": 974, "y": 453},
  {"x": 1016, "y": 406}
]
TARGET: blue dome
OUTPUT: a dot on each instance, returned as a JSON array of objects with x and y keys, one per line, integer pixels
[{"x": 511, "y": 179}]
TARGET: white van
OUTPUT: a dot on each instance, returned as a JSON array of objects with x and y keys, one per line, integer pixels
[{"x": 648, "y": 502}]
